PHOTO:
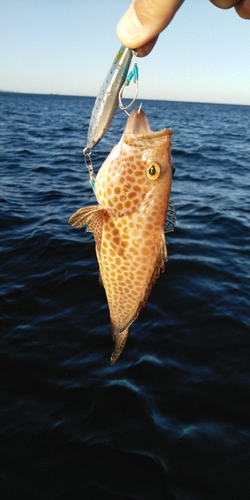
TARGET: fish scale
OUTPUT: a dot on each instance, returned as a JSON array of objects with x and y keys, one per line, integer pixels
[{"x": 132, "y": 189}]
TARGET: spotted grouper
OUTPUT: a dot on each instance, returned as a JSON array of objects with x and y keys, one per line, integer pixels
[{"x": 132, "y": 189}]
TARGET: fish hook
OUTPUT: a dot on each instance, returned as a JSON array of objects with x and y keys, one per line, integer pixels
[{"x": 132, "y": 75}]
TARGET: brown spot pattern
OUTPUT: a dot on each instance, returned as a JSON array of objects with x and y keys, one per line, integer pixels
[
  {"x": 128, "y": 224},
  {"x": 132, "y": 233}
]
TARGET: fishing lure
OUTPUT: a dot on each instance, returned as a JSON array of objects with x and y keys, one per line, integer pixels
[
  {"x": 108, "y": 97},
  {"x": 106, "y": 103}
]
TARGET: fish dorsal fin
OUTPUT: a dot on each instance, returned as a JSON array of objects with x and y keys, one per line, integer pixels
[
  {"x": 170, "y": 219},
  {"x": 159, "y": 266},
  {"x": 162, "y": 257}
]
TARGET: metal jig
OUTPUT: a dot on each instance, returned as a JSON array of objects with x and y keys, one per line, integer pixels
[
  {"x": 107, "y": 99},
  {"x": 110, "y": 94}
]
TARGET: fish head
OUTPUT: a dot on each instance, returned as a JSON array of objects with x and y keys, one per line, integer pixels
[{"x": 138, "y": 172}]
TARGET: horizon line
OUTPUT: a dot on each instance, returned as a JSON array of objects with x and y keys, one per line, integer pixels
[{"x": 144, "y": 98}]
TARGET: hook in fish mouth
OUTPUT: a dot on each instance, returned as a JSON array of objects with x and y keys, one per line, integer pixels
[{"x": 137, "y": 123}]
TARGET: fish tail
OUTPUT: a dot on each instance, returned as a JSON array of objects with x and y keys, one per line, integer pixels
[{"x": 119, "y": 341}]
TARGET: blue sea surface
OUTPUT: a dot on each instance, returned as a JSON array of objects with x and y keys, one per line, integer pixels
[{"x": 171, "y": 419}]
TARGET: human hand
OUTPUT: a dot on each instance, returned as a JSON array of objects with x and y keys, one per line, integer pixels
[{"x": 141, "y": 25}]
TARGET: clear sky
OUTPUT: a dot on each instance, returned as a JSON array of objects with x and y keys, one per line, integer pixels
[{"x": 67, "y": 47}]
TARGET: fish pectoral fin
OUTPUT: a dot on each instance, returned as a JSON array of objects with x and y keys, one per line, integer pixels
[
  {"x": 119, "y": 341},
  {"x": 170, "y": 219},
  {"x": 83, "y": 216}
]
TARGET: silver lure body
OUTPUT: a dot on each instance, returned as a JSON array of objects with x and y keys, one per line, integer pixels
[{"x": 108, "y": 97}]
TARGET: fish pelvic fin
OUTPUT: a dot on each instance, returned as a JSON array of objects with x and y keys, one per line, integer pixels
[
  {"x": 119, "y": 341},
  {"x": 83, "y": 216},
  {"x": 92, "y": 217}
]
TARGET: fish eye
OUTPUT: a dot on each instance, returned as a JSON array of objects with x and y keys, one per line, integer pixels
[{"x": 153, "y": 170}]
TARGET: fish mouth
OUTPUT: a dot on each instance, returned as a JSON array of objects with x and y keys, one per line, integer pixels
[{"x": 137, "y": 123}]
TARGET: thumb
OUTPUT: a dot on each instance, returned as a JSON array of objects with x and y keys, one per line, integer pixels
[{"x": 144, "y": 21}]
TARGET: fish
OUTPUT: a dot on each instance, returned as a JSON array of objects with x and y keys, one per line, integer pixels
[{"x": 132, "y": 189}]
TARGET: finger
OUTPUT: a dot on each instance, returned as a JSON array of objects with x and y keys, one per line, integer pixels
[
  {"x": 243, "y": 9},
  {"x": 144, "y": 20},
  {"x": 145, "y": 49},
  {"x": 224, "y": 4}
]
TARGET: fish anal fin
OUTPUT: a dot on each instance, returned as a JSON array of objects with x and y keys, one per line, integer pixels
[{"x": 119, "y": 341}]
